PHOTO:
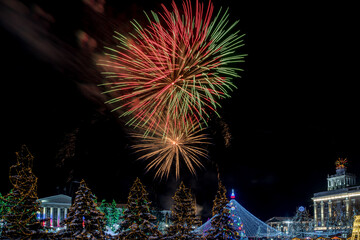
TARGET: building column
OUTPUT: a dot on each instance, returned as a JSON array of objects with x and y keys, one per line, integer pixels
[
  {"x": 315, "y": 214},
  {"x": 330, "y": 208},
  {"x": 44, "y": 215},
  {"x": 322, "y": 214},
  {"x": 65, "y": 213},
  {"x": 58, "y": 217},
  {"x": 51, "y": 217},
  {"x": 347, "y": 204}
]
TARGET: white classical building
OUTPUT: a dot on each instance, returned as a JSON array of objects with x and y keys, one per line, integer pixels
[
  {"x": 335, "y": 208},
  {"x": 281, "y": 224},
  {"x": 53, "y": 209}
]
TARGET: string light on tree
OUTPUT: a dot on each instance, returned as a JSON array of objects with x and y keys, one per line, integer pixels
[
  {"x": 21, "y": 203},
  {"x": 138, "y": 222},
  {"x": 220, "y": 200},
  {"x": 184, "y": 219},
  {"x": 84, "y": 219}
]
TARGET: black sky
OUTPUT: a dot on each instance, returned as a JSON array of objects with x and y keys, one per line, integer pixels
[{"x": 294, "y": 112}]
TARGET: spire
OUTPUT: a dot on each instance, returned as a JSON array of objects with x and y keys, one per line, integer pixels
[{"x": 232, "y": 194}]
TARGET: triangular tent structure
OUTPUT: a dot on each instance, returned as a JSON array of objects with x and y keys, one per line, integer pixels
[{"x": 251, "y": 225}]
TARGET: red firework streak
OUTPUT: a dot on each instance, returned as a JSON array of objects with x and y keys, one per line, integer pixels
[{"x": 175, "y": 68}]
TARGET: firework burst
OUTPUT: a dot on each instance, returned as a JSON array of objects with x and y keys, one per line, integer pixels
[
  {"x": 178, "y": 66},
  {"x": 180, "y": 143}
]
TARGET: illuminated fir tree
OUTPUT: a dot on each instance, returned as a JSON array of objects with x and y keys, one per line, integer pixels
[
  {"x": 301, "y": 223},
  {"x": 184, "y": 219},
  {"x": 113, "y": 216},
  {"x": 222, "y": 226},
  {"x": 103, "y": 207},
  {"x": 138, "y": 222},
  {"x": 3, "y": 211},
  {"x": 84, "y": 219},
  {"x": 20, "y": 221},
  {"x": 220, "y": 200},
  {"x": 4, "y": 208}
]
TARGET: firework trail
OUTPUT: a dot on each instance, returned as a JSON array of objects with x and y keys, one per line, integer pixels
[
  {"x": 180, "y": 143},
  {"x": 176, "y": 68}
]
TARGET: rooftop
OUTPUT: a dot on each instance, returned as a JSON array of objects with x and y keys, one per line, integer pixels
[
  {"x": 278, "y": 219},
  {"x": 60, "y": 198},
  {"x": 338, "y": 193}
]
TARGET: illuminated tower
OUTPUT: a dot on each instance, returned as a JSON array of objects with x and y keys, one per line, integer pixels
[{"x": 341, "y": 179}]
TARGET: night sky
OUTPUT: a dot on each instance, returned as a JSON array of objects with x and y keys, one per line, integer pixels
[{"x": 294, "y": 113}]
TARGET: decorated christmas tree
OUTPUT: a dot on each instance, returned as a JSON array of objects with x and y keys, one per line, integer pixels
[
  {"x": 220, "y": 200},
  {"x": 4, "y": 209},
  {"x": 113, "y": 216},
  {"x": 2, "y": 206},
  {"x": 103, "y": 207},
  {"x": 20, "y": 205},
  {"x": 302, "y": 223},
  {"x": 223, "y": 226},
  {"x": 184, "y": 219},
  {"x": 84, "y": 219},
  {"x": 138, "y": 222}
]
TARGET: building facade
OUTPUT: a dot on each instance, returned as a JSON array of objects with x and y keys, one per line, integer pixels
[
  {"x": 54, "y": 209},
  {"x": 281, "y": 224},
  {"x": 335, "y": 208}
]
